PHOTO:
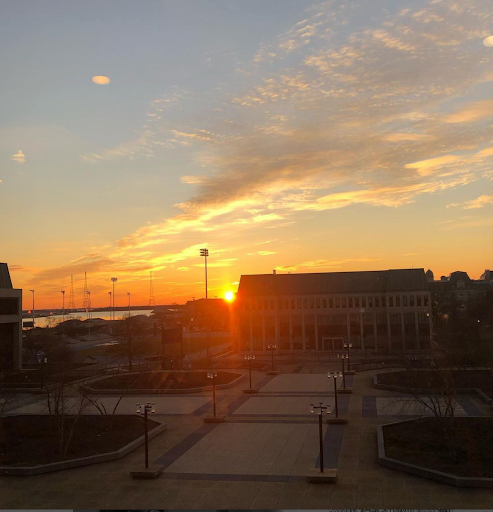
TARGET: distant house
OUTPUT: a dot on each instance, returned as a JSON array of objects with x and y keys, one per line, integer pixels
[
  {"x": 10, "y": 322},
  {"x": 386, "y": 310}
]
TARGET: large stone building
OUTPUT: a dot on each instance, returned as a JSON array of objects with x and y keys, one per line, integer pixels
[
  {"x": 10, "y": 322},
  {"x": 387, "y": 310}
]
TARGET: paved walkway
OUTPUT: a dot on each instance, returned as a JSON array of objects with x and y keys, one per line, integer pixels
[{"x": 257, "y": 459}]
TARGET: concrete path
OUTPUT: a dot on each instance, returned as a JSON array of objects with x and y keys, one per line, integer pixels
[{"x": 256, "y": 460}]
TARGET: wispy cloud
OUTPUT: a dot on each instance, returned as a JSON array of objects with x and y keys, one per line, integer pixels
[
  {"x": 479, "y": 202},
  {"x": 19, "y": 157}
]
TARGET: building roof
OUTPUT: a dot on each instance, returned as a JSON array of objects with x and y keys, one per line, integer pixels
[
  {"x": 333, "y": 282},
  {"x": 5, "y": 281}
]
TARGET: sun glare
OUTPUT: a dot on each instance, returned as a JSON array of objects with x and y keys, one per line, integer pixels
[
  {"x": 488, "y": 41},
  {"x": 229, "y": 296}
]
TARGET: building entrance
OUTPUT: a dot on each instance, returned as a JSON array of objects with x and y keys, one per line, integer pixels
[{"x": 332, "y": 344}]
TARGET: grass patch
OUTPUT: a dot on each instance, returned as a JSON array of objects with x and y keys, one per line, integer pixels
[
  {"x": 162, "y": 380},
  {"x": 422, "y": 443},
  {"x": 33, "y": 440}
]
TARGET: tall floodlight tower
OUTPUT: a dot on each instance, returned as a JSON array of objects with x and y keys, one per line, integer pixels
[
  {"x": 205, "y": 253},
  {"x": 84, "y": 304},
  {"x": 114, "y": 280},
  {"x": 152, "y": 302},
  {"x": 63, "y": 305},
  {"x": 71, "y": 303}
]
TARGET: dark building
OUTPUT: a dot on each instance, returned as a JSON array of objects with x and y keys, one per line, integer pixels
[
  {"x": 386, "y": 310},
  {"x": 456, "y": 291},
  {"x": 10, "y": 322}
]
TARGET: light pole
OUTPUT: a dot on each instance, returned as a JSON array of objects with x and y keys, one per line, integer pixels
[
  {"x": 249, "y": 358},
  {"x": 348, "y": 346},
  {"x": 272, "y": 347},
  {"x": 109, "y": 293},
  {"x": 342, "y": 357},
  {"x": 145, "y": 409},
  {"x": 32, "y": 291},
  {"x": 42, "y": 360},
  {"x": 113, "y": 280},
  {"x": 89, "y": 310},
  {"x": 335, "y": 375},
  {"x": 63, "y": 305},
  {"x": 128, "y": 293},
  {"x": 321, "y": 409},
  {"x": 212, "y": 375},
  {"x": 205, "y": 253}
]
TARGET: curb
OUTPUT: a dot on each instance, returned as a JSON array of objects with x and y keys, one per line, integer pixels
[
  {"x": 84, "y": 461},
  {"x": 125, "y": 392},
  {"x": 400, "y": 389},
  {"x": 431, "y": 474}
]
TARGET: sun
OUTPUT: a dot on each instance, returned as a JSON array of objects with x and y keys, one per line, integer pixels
[{"x": 229, "y": 296}]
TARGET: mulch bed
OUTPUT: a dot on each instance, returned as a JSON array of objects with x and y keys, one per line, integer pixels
[
  {"x": 33, "y": 440},
  {"x": 163, "y": 380},
  {"x": 421, "y": 442},
  {"x": 429, "y": 379}
]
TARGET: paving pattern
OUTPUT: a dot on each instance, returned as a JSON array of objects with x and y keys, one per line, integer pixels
[{"x": 258, "y": 458}]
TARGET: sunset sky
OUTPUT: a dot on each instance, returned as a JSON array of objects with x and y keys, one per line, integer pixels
[{"x": 283, "y": 134}]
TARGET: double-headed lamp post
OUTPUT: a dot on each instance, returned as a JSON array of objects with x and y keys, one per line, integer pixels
[
  {"x": 342, "y": 357},
  {"x": 32, "y": 291},
  {"x": 145, "y": 409},
  {"x": 348, "y": 346},
  {"x": 336, "y": 375},
  {"x": 212, "y": 375},
  {"x": 272, "y": 347},
  {"x": 321, "y": 408},
  {"x": 249, "y": 358},
  {"x": 205, "y": 254}
]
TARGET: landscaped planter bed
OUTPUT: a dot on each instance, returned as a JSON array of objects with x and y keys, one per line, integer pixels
[
  {"x": 163, "y": 381},
  {"x": 464, "y": 380},
  {"x": 419, "y": 447},
  {"x": 30, "y": 444}
]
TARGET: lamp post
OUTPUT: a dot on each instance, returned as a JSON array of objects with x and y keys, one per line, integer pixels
[
  {"x": 109, "y": 293},
  {"x": 114, "y": 280},
  {"x": 145, "y": 409},
  {"x": 89, "y": 310},
  {"x": 342, "y": 357},
  {"x": 128, "y": 293},
  {"x": 63, "y": 305},
  {"x": 348, "y": 346},
  {"x": 335, "y": 375},
  {"x": 321, "y": 409},
  {"x": 42, "y": 360},
  {"x": 249, "y": 358},
  {"x": 32, "y": 291},
  {"x": 212, "y": 375},
  {"x": 205, "y": 253},
  {"x": 272, "y": 347}
]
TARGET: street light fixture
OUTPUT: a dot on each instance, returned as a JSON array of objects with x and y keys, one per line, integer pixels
[
  {"x": 41, "y": 360},
  {"x": 145, "y": 409},
  {"x": 272, "y": 347},
  {"x": 335, "y": 375},
  {"x": 249, "y": 358},
  {"x": 342, "y": 357},
  {"x": 212, "y": 375},
  {"x": 63, "y": 305},
  {"x": 320, "y": 412},
  {"x": 32, "y": 291},
  {"x": 205, "y": 254},
  {"x": 348, "y": 346}
]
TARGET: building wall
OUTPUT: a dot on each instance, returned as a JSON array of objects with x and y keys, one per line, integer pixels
[
  {"x": 10, "y": 329},
  {"x": 381, "y": 321}
]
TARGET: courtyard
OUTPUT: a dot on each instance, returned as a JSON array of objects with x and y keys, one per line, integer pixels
[{"x": 258, "y": 458}]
